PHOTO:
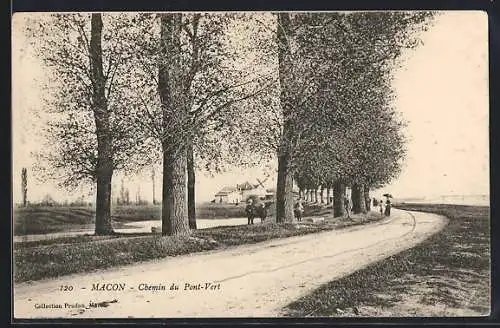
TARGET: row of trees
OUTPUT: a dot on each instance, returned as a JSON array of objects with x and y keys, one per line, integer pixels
[
  {"x": 188, "y": 90},
  {"x": 338, "y": 127}
]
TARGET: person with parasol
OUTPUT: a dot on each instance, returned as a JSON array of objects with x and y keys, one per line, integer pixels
[{"x": 388, "y": 204}]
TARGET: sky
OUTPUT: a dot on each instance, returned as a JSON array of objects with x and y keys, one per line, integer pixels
[
  {"x": 441, "y": 91},
  {"x": 443, "y": 94}
]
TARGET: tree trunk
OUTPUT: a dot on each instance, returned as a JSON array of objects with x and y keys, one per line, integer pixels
[
  {"x": 338, "y": 197},
  {"x": 284, "y": 196},
  {"x": 104, "y": 167},
  {"x": 175, "y": 106},
  {"x": 191, "y": 185},
  {"x": 358, "y": 199},
  {"x": 315, "y": 195},
  {"x": 174, "y": 207},
  {"x": 301, "y": 193},
  {"x": 103, "y": 206},
  {"x": 322, "y": 199},
  {"x": 328, "y": 200},
  {"x": 284, "y": 188},
  {"x": 368, "y": 200}
]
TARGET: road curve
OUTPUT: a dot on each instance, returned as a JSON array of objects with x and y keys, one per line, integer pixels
[{"x": 246, "y": 281}]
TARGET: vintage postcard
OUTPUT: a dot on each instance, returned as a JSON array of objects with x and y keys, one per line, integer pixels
[{"x": 250, "y": 164}]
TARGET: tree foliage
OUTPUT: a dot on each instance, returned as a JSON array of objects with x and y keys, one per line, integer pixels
[
  {"x": 62, "y": 42},
  {"x": 212, "y": 77},
  {"x": 349, "y": 129}
]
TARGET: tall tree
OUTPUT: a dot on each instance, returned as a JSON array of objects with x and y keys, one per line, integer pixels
[
  {"x": 284, "y": 196},
  {"x": 175, "y": 113},
  {"x": 219, "y": 87},
  {"x": 213, "y": 87},
  {"x": 357, "y": 52},
  {"x": 90, "y": 133},
  {"x": 99, "y": 105}
]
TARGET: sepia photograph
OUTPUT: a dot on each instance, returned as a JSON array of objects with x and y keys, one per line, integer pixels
[{"x": 267, "y": 164}]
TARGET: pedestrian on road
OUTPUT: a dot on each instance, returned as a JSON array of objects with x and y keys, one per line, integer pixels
[
  {"x": 388, "y": 208},
  {"x": 249, "y": 210},
  {"x": 299, "y": 210},
  {"x": 262, "y": 212},
  {"x": 381, "y": 206}
]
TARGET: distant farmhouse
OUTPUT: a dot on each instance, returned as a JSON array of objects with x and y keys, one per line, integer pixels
[
  {"x": 228, "y": 195},
  {"x": 241, "y": 192}
]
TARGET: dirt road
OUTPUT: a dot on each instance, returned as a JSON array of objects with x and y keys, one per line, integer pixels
[{"x": 247, "y": 281}]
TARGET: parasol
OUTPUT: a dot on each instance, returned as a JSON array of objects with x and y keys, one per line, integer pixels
[{"x": 387, "y": 195}]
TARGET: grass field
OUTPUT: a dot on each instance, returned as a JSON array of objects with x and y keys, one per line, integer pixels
[
  {"x": 48, "y": 219},
  {"x": 60, "y": 256},
  {"x": 41, "y": 220},
  {"x": 447, "y": 275}
]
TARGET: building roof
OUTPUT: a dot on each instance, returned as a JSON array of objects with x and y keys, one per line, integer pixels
[
  {"x": 246, "y": 186},
  {"x": 225, "y": 191}
]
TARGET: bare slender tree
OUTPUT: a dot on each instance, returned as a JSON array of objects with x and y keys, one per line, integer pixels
[{"x": 24, "y": 186}]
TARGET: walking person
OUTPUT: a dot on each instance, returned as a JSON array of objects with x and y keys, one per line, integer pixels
[
  {"x": 299, "y": 210},
  {"x": 388, "y": 207},
  {"x": 249, "y": 210},
  {"x": 381, "y": 207},
  {"x": 262, "y": 212}
]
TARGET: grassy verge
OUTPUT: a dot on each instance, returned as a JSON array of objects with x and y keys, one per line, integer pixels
[
  {"x": 447, "y": 275},
  {"x": 61, "y": 256},
  {"x": 49, "y": 219}
]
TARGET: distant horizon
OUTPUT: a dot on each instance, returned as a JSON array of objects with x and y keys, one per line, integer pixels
[{"x": 378, "y": 194}]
